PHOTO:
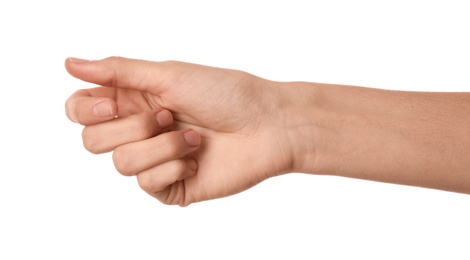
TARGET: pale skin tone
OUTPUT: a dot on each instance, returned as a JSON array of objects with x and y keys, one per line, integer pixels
[{"x": 191, "y": 133}]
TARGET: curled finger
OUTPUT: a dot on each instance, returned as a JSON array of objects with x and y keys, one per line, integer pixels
[
  {"x": 132, "y": 158},
  {"x": 106, "y": 136},
  {"x": 158, "y": 178}
]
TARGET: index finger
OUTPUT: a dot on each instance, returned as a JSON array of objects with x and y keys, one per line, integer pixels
[
  {"x": 121, "y": 72},
  {"x": 91, "y": 106}
]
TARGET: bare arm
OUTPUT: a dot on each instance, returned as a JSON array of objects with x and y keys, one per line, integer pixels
[{"x": 411, "y": 138}]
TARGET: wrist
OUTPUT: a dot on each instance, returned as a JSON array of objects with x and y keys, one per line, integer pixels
[
  {"x": 373, "y": 134},
  {"x": 298, "y": 120},
  {"x": 314, "y": 117}
]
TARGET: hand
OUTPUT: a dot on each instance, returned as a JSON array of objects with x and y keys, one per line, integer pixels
[{"x": 237, "y": 139}]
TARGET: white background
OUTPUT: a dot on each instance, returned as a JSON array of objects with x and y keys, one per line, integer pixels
[{"x": 57, "y": 201}]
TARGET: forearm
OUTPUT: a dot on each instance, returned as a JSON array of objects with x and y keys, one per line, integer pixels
[{"x": 411, "y": 138}]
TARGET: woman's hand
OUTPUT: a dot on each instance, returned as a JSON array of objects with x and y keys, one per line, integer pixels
[{"x": 188, "y": 132}]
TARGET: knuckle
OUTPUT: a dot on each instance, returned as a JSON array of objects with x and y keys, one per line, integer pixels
[
  {"x": 145, "y": 183},
  {"x": 122, "y": 162},
  {"x": 145, "y": 128},
  {"x": 171, "y": 62},
  {"x": 90, "y": 141},
  {"x": 115, "y": 62},
  {"x": 114, "y": 59},
  {"x": 142, "y": 126},
  {"x": 172, "y": 145},
  {"x": 178, "y": 167},
  {"x": 171, "y": 149},
  {"x": 176, "y": 67}
]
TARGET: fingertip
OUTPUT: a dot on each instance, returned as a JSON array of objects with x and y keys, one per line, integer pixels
[
  {"x": 192, "y": 164},
  {"x": 164, "y": 118},
  {"x": 192, "y": 138},
  {"x": 70, "y": 61},
  {"x": 92, "y": 71}
]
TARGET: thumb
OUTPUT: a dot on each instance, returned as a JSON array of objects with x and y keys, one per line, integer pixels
[{"x": 121, "y": 73}]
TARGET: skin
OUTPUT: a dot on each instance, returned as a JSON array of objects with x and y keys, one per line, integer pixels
[{"x": 191, "y": 133}]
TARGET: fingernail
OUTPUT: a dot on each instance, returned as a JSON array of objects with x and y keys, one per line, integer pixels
[
  {"x": 77, "y": 60},
  {"x": 192, "y": 138},
  {"x": 103, "y": 109},
  {"x": 164, "y": 119},
  {"x": 192, "y": 164}
]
